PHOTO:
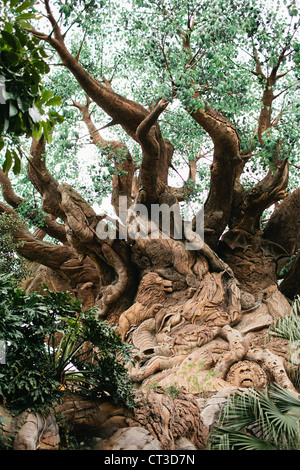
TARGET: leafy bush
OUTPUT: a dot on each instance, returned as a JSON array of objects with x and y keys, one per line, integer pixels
[{"x": 53, "y": 346}]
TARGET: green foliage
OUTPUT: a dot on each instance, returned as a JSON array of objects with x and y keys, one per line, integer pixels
[
  {"x": 98, "y": 355},
  {"x": 5, "y": 440},
  {"x": 288, "y": 327},
  {"x": 255, "y": 420},
  {"x": 36, "y": 215},
  {"x": 140, "y": 44},
  {"x": 47, "y": 337},
  {"x": 289, "y": 264},
  {"x": 173, "y": 391},
  {"x": 23, "y": 98},
  {"x": 10, "y": 262},
  {"x": 67, "y": 440}
]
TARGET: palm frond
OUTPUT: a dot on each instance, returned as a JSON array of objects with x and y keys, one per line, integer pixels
[
  {"x": 284, "y": 400},
  {"x": 255, "y": 420},
  {"x": 240, "y": 441},
  {"x": 239, "y": 412},
  {"x": 296, "y": 305},
  {"x": 286, "y": 328}
]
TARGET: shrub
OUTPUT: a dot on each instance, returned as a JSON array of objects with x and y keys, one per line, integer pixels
[{"x": 53, "y": 346}]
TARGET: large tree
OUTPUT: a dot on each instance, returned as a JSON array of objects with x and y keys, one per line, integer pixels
[{"x": 163, "y": 88}]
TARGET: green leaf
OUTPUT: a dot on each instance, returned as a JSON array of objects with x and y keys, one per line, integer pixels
[
  {"x": 8, "y": 27},
  {"x": 47, "y": 128},
  {"x": 55, "y": 101},
  {"x": 21, "y": 35},
  {"x": 24, "y": 6},
  {"x": 8, "y": 161},
  {"x": 17, "y": 164},
  {"x": 24, "y": 24},
  {"x": 13, "y": 3},
  {"x": 42, "y": 66},
  {"x": 37, "y": 131},
  {"x": 11, "y": 40},
  {"x": 46, "y": 95},
  {"x": 9, "y": 58},
  {"x": 25, "y": 16},
  {"x": 43, "y": 53},
  {"x": 13, "y": 110}
]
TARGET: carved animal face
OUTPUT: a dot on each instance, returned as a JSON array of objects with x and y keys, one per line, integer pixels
[
  {"x": 153, "y": 286},
  {"x": 247, "y": 374},
  {"x": 158, "y": 282}
]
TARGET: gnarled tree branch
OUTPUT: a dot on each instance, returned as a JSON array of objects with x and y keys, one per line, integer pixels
[
  {"x": 49, "y": 226},
  {"x": 42, "y": 180},
  {"x": 270, "y": 189},
  {"x": 223, "y": 171},
  {"x": 129, "y": 114},
  {"x": 153, "y": 179},
  {"x": 117, "y": 151},
  {"x": 283, "y": 227},
  {"x": 61, "y": 258},
  {"x": 81, "y": 231}
]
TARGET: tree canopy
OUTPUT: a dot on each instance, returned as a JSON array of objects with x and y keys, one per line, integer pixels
[{"x": 217, "y": 83}]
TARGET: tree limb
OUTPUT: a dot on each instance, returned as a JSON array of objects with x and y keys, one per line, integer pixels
[
  {"x": 117, "y": 151},
  {"x": 154, "y": 167},
  {"x": 127, "y": 113},
  {"x": 42, "y": 180},
  {"x": 50, "y": 226},
  {"x": 270, "y": 189},
  {"x": 188, "y": 187},
  {"x": 223, "y": 171},
  {"x": 81, "y": 231},
  {"x": 61, "y": 258},
  {"x": 283, "y": 227},
  {"x": 290, "y": 286}
]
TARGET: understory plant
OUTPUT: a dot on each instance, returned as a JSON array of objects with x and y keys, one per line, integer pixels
[
  {"x": 254, "y": 420},
  {"x": 52, "y": 346},
  {"x": 5, "y": 440}
]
